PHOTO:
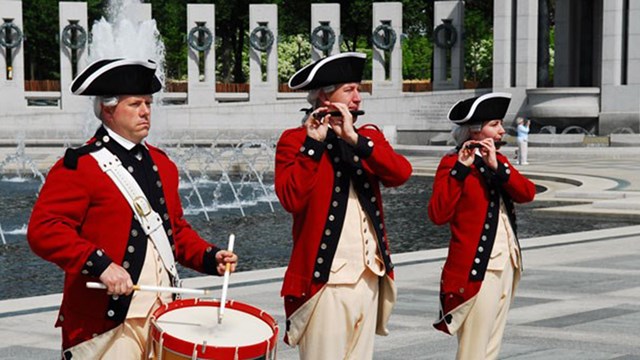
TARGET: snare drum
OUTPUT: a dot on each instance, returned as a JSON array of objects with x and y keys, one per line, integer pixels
[{"x": 189, "y": 329}]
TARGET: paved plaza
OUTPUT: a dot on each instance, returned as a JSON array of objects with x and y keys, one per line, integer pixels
[{"x": 579, "y": 297}]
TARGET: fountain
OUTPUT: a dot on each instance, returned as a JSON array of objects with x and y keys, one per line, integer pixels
[
  {"x": 575, "y": 129},
  {"x": 228, "y": 178},
  {"x": 19, "y": 162},
  {"x": 121, "y": 35},
  {"x": 248, "y": 161}
]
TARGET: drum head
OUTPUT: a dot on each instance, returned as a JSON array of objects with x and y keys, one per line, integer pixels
[
  {"x": 189, "y": 328},
  {"x": 199, "y": 324}
]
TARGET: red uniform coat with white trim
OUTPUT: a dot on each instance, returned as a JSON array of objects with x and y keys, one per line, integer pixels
[
  {"x": 81, "y": 212},
  {"x": 467, "y": 198},
  {"x": 306, "y": 177}
]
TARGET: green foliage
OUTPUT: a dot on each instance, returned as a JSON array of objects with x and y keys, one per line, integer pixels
[
  {"x": 478, "y": 42},
  {"x": 41, "y": 49},
  {"x": 356, "y": 21},
  {"x": 416, "y": 57},
  {"x": 479, "y": 64},
  {"x": 170, "y": 18},
  {"x": 232, "y": 28},
  {"x": 294, "y": 52},
  {"x": 222, "y": 68}
]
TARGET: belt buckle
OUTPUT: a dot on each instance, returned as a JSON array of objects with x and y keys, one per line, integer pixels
[{"x": 142, "y": 206}]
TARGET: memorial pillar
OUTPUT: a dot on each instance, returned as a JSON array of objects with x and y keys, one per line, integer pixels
[
  {"x": 201, "y": 66},
  {"x": 325, "y": 15},
  {"x": 448, "y": 50},
  {"x": 263, "y": 52},
  {"x": 12, "y": 56},
  {"x": 387, "y": 52},
  {"x": 74, "y": 38}
]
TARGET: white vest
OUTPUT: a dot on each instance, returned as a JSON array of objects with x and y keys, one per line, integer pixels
[
  {"x": 504, "y": 246},
  {"x": 153, "y": 273},
  {"x": 357, "y": 247}
]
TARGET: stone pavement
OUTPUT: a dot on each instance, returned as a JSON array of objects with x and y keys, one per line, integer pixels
[{"x": 579, "y": 297}]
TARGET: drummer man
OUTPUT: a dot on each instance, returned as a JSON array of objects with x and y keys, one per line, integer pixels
[
  {"x": 83, "y": 222},
  {"x": 338, "y": 287}
]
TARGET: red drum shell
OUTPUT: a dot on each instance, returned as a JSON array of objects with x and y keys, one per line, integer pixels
[{"x": 174, "y": 347}]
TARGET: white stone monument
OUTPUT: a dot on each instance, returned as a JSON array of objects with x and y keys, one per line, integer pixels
[
  {"x": 12, "y": 59},
  {"x": 387, "y": 83},
  {"x": 202, "y": 82},
  {"x": 448, "y": 51},
  {"x": 74, "y": 43},
  {"x": 263, "y": 27},
  {"x": 329, "y": 15}
]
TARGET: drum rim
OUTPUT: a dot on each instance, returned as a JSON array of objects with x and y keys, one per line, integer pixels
[{"x": 184, "y": 347}]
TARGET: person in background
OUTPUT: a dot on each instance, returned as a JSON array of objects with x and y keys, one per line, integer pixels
[
  {"x": 338, "y": 288},
  {"x": 474, "y": 191},
  {"x": 523, "y": 140},
  {"x": 84, "y": 219}
]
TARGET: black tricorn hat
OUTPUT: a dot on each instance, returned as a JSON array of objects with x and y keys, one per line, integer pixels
[
  {"x": 335, "y": 69},
  {"x": 109, "y": 77},
  {"x": 480, "y": 108}
]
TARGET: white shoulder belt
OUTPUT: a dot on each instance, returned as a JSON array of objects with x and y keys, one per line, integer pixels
[{"x": 148, "y": 218}]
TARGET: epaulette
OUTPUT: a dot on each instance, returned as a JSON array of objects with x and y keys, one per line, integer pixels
[
  {"x": 71, "y": 155},
  {"x": 370, "y": 126}
]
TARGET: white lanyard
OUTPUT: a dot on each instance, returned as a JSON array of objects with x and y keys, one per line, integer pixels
[{"x": 148, "y": 218}]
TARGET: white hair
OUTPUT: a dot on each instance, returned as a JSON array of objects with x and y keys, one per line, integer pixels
[
  {"x": 99, "y": 101},
  {"x": 462, "y": 133},
  {"x": 312, "y": 96}
]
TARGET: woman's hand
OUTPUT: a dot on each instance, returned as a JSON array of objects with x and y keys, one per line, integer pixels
[
  {"x": 487, "y": 148},
  {"x": 467, "y": 154}
]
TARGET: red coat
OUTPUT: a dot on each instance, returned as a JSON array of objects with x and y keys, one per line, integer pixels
[
  {"x": 312, "y": 183},
  {"x": 467, "y": 198},
  {"x": 81, "y": 222}
]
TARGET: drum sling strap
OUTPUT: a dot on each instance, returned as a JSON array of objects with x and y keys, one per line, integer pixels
[{"x": 149, "y": 219}]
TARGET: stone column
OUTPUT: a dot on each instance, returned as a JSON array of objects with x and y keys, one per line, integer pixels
[
  {"x": 503, "y": 65},
  {"x": 562, "y": 49},
  {"x": 326, "y": 14},
  {"x": 264, "y": 86},
  {"x": 633, "y": 69},
  {"x": 527, "y": 44},
  {"x": 612, "y": 43},
  {"x": 12, "y": 80},
  {"x": 202, "y": 87},
  {"x": 448, "y": 75},
  {"x": 72, "y": 13},
  {"x": 388, "y": 13},
  {"x": 620, "y": 95}
]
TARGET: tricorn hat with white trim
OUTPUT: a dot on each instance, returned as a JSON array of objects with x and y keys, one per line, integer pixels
[
  {"x": 110, "y": 77},
  {"x": 480, "y": 108},
  {"x": 332, "y": 70}
]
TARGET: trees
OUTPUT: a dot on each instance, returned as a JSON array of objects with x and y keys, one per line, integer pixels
[
  {"x": 232, "y": 31},
  {"x": 478, "y": 37}
]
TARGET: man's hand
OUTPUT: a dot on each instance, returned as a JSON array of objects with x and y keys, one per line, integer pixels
[
  {"x": 117, "y": 280},
  {"x": 317, "y": 128},
  {"x": 343, "y": 125},
  {"x": 224, "y": 257}
]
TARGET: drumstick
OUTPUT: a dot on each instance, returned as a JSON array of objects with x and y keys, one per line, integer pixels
[
  {"x": 169, "y": 289},
  {"x": 225, "y": 283}
]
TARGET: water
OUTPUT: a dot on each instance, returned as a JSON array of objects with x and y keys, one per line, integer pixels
[{"x": 263, "y": 237}]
